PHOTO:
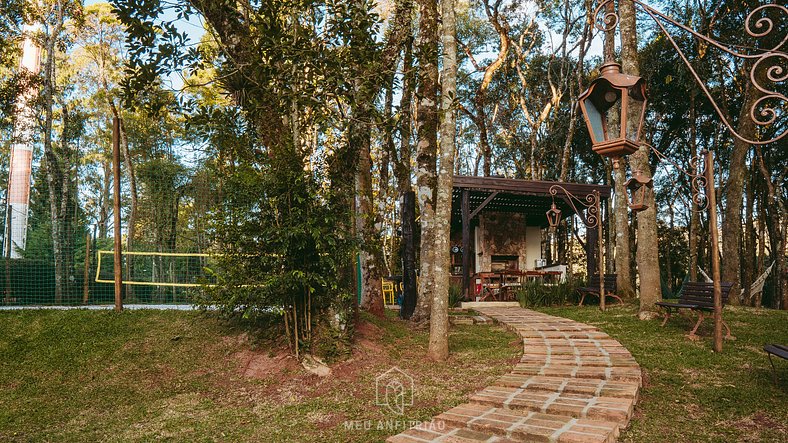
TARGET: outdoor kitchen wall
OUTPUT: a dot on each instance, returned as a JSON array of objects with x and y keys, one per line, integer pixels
[{"x": 505, "y": 233}]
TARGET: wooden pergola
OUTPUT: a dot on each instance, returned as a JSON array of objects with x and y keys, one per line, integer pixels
[{"x": 531, "y": 198}]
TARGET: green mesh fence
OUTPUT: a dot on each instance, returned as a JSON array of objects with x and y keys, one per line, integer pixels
[{"x": 62, "y": 253}]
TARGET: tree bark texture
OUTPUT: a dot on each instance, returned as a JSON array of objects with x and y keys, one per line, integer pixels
[
  {"x": 438, "y": 348},
  {"x": 54, "y": 169},
  {"x": 623, "y": 252},
  {"x": 426, "y": 150},
  {"x": 734, "y": 196},
  {"x": 647, "y": 242}
]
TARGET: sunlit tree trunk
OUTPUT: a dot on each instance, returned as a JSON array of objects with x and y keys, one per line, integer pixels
[
  {"x": 647, "y": 243},
  {"x": 439, "y": 318},
  {"x": 54, "y": 169},
  {"x": 426, "y": 150}
]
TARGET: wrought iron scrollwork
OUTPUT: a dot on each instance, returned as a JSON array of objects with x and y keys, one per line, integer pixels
[
  {"x": 609, "y": 20},
  {"x": 696, "y": 175},
  {"x": 589, "y": 201},
  {"x": 767, "y": 64}
]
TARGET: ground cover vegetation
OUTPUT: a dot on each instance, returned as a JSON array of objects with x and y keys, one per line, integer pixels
[
  {"x": 277, "y": 139},
  {"x": 689, "y": 392},
  {"x": 185, "y": 376}
]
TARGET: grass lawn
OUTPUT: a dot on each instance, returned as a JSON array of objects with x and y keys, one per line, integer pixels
[
  {"x": 691, "y": 394},
  {"x": 179, "y": 376}
]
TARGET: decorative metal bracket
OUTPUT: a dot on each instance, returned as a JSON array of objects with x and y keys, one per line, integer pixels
[
  {"x": 590, "y": 202},
  {"x": 765, "y": 62},
  {"x": 698, "y": 180}
]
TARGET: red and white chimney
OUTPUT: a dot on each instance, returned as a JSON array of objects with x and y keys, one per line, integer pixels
[{"x": 18, "y": 197}]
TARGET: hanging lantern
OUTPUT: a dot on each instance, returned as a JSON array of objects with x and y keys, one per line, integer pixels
[
  {"x": 607, "y": 104},
  {"x": 637, "y": 186},
  {"x": 553, "y": 216}
]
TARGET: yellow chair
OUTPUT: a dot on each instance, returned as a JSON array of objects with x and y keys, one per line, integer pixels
[{"x": 388, "y": 291}]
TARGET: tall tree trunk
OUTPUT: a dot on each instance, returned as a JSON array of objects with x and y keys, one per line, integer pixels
[
  {"x": 67, "y": 202},
  {"x": 732, "y": 220},
  {"x": 623, "y": 252},
  {"x": 54, "y": 170},
  {"x": 439, "y": 318},
  {"x": 368, "y": 219},
  {"x": 402, "y": 168},
  {"x": 623, "y": 255},
  {"x": 103, "y": 221},
  {"x": 777, "y": 232},
  {"x": 426, "y": 150},
  {"x": 610, "y": 224},
  {"x": 366, "y": 223},
  {"x": 668, "y": 245},
  {"x": 131, "y": 224},
  {"x": 761, "y": 238},
  {"x": 694, "y": 215},
  {"x": 749, "y": 272},
  {"x": 484, "y": 140},
  {"x": 647, "y": 247}
]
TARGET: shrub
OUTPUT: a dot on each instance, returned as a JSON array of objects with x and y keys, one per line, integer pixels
[
  {"x": 283, "y": 253},
  {"x": 533, "y": 294},
  {"x": 455, "y": 295}
]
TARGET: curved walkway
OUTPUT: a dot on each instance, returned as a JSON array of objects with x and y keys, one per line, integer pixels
[{"x": 573, "y": 383}]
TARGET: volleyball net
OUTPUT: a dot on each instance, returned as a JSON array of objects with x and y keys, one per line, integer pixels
[
  {"x": 157, "y": 269},
  {"x": 147, "y": 278}
]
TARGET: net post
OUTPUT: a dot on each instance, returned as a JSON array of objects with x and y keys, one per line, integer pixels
[
  {"x": 116, "y": 212},
  {"x": 86, "y": 275},
  {"x": 7, "y": 257}
]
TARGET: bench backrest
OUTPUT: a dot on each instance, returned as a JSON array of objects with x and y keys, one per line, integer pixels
[
  {"x": 702, "y": 293},
  {"x": 610, "y": 282}
]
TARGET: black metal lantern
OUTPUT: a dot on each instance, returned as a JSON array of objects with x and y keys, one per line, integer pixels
[
  {"x": 607, "y": 104},
  {"x": 553, "y": 216},
  {"x": 637, "y": 186}
]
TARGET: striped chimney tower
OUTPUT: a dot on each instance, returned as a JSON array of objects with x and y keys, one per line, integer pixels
[{"x": 18, "y": 196}]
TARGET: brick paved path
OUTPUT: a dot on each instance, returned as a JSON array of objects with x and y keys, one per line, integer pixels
[{"x": 573, "y": 384}]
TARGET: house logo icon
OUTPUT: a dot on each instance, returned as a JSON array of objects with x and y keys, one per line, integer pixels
[{"x": 394, "y": 389}]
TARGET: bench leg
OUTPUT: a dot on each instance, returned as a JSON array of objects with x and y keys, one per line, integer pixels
[
  {"x": 728, "y": 335},
  {"x": 774, "y": 371},
  {"x": 667, "y": 316},
  {"x": 582, "y": 297},
  {"x": 616, "y": 297},
  {"x": 692, "y": 335}
]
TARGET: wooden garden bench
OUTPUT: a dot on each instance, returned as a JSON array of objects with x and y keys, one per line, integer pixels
[
  {"x": 699, "y": 297},
  {"x": 592, "y": 288},
  {"x": 778, "y": 350}
]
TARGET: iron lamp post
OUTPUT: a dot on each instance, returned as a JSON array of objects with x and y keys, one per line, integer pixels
[
  {"x": 607, "y": 104},
  {"x": 638, "y": 186},
  {"x": 592, "y": 220},
  {"x": 553, "y": 216}
]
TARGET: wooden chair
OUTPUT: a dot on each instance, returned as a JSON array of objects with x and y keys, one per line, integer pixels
[{"x": 388, "y": 291}]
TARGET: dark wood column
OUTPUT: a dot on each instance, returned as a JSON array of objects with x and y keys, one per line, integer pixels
[
  {"x": 408, "y": 214},
  {"x": 466, "y": 244}
]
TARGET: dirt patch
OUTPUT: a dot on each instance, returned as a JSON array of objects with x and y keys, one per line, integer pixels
[
  {"x": 758, "y": 422},
  {"x": 323, "y": 420},
  {"x": 265, "y": 365},
  {"x": 367, "y": 330}
]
